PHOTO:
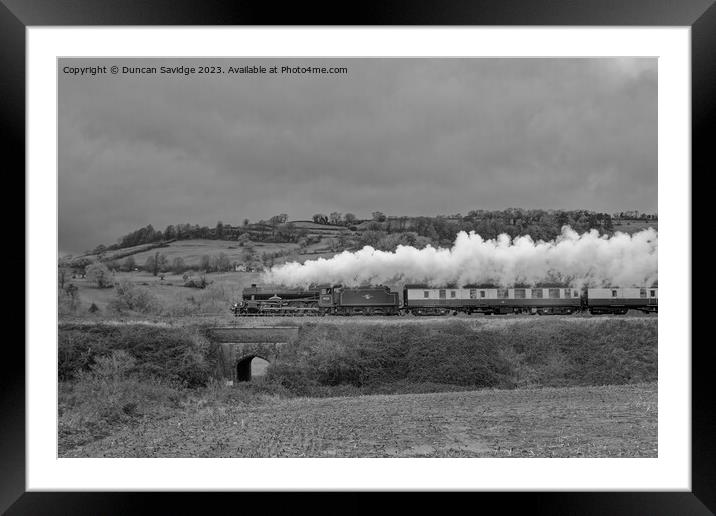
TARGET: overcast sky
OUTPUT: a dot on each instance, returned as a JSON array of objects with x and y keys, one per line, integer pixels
[{"x": 402, "y": 136}]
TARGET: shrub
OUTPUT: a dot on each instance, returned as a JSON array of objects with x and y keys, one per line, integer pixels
[
  {"x": 365, "y": 355},
  {"x": 134, "y": 298},
  {"x": 294, "y": 379},
  {"x": 68, "y": 300},
  {"x": 168, "y": 354},
  {"x": 534, "y": 352},
  {"x": 109, "y": 394},
  {"x": 98, "y": 273}
]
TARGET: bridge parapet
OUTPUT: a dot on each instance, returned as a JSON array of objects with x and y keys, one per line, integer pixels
[
  {"x": 240, "y": 345},
  {"x": 256, "y": 334}
]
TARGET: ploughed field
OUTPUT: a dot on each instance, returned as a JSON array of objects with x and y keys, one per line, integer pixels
[{"x": 604, "y": 421}]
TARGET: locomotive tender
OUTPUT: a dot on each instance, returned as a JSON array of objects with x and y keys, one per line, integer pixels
[{"x": 426, "y": 300}]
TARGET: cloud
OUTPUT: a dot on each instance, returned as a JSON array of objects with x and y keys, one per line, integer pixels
[{"x": 403, "y": 136}]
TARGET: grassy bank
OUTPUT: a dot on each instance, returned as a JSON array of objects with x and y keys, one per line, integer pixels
[{"x": 525, "y": 353}]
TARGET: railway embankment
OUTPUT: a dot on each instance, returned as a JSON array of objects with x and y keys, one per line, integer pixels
[{"x": 382, "y": 355}]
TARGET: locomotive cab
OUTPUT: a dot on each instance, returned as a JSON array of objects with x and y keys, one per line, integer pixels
[{"x": 325, "y": 299}]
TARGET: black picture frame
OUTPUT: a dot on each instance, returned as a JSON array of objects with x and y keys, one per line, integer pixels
[{"x": 16, "y": 15}]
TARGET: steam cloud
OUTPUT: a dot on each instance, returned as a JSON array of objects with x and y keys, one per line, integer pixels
[{"x": 574, "y": 259}]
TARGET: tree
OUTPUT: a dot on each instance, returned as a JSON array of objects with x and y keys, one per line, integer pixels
[
  {"x": 220, "y": 263},
  {"x": 99, "y": 273},
  {"x": 335, "y": 218},
  {"x": 170, "y": 233},
  {"x": 112, "y": 265},
  {"x": 243, "y": 239},
  {"x": 205, "y": 263},
  {"x": 289, "y": 232},
  {"x": 379, "y": 216},
  {"x": 320, "y": 218},
  {"x": 249, "y": 253},
  {"x": 349, "y": 219},
  {"x": 73, "y": 298},
  {"x": 219, "y": 230},
  {"x": 608, "y": 225},
  {"x": 149, "y": 264},
  {"x": 129, "y": 264},
  {"x": 156, "y": 263},
  {"x": 61, "y": 276},
  {"x": 275, "y": 221},
  {"x": 178, "y": 265},
  {"x": 279, "y": 219},
  {"x": 246, "y": 222}
]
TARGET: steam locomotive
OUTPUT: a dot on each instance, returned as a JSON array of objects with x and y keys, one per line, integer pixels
[{"x": 418, "y": 299}]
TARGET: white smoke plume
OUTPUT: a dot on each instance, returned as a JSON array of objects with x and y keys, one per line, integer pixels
[{"x": 574, "y": 259}]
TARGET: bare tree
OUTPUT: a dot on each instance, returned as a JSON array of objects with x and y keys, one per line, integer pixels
[{"x": 61, "y": 276}]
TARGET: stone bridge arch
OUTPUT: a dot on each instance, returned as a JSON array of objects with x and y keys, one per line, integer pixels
[{"x": 241, "y": 345}]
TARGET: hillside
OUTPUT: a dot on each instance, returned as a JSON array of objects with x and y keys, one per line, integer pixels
[
  {"x": 264, "y": 244},
  {"x": 634, "y": 226}
]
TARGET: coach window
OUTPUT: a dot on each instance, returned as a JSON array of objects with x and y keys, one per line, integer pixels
[
  {"x": 426, "y": 294},
  {"x": 653, "y": 293},
  {"x": 442, "y": 294},
  {"x": 502, "y": 293},
  {"x": 614, "y": 293},
  {"x": 482, "y": 293},
  {"x": 566, "y": 293},
  {"x": 473, "y": 293},
  {"x": 520, "y": 293},
  {"x": 537, "y": 293},
  {"x": 642, "y": 292},
  {"x": 554, "y": 293},
  {"x": 452, "y": 293}
]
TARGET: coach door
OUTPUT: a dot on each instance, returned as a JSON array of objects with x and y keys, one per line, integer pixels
[{"x": 443, "y": 296}]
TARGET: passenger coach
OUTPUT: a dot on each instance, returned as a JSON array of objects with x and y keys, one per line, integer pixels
[
  {"x": 426, "y": 300},
  {"x": 616, "y": 300}
]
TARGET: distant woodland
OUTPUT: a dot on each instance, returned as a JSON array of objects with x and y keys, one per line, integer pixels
[{"x": 386, "y": 232}]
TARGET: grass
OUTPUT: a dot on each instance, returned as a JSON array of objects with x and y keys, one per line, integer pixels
[
  {"x": 110, "y": 394},
  {"x": 634, "y": 226},
  {"x": 173, "y": 299},
  {"x": 192, "y": 250}
]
